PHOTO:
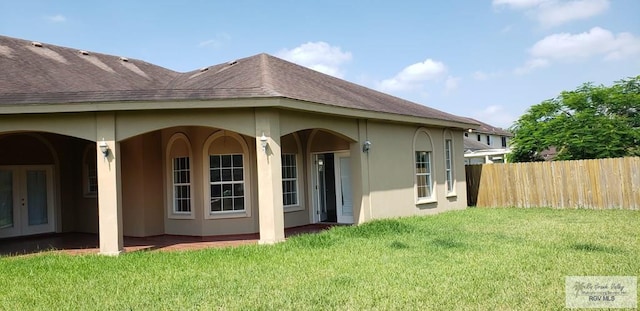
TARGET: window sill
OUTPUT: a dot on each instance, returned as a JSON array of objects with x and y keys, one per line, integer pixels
[
  {"x": 452, "y": 195},
  {"x": 293, "y": 208},
  {"x": 181, "y": 216},
  {"x": 227, "y": 214},
  {"x": 426, "y": 201}
]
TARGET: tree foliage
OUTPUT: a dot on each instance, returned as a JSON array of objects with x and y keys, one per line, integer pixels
[{"x": 590, "y": 122}]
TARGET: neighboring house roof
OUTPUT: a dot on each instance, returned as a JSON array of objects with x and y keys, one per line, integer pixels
[
  {"x": 473, "y": 145},
  {"x": 48, "y": 74},
  {"x": 489, "y": 129}
]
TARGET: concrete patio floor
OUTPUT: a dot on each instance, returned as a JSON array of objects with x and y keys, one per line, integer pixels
[{"x": 87, "y": 243}]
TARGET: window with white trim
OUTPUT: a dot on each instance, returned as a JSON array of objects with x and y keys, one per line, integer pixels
[
  {"x": 226, "y": 175},
  {"x": 448, "y": 164},
  {"x": 289, "y": 180},
  {"x": 423, "y": 175},
  {"x": 181, "y": 185},
  {"x": 90, "y": 172},
  {"x": 178, "y": 177}
]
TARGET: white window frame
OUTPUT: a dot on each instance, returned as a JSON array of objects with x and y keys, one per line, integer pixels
[
  {"x": 449, "y": 165},
  {"x": 246, "y": 160},
  {"x": 231, "y": 182},
  {"x": 296, "y": 169},
  {"x": 427, "y": 175},
  {"x": 175, "y": 184},
  {"x": 89, "y": 172},
  {"x": 169, "y": 178},
  {"x": 432, "y": 198}
]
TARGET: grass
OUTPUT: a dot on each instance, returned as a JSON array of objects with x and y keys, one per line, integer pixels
[{"x": 481, "y": 259}]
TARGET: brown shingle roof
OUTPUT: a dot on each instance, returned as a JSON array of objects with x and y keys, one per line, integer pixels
[{"x": 51, "y": 75}]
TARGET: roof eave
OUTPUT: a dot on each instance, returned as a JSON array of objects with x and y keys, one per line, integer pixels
[{"x": 252, "y": 102}]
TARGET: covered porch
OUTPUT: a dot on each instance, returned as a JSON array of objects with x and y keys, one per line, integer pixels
[{"x": 75, "y": 243}]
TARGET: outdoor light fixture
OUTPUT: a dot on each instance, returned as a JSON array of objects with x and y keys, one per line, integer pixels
[
  {"x": 104, "y": 148},
  {"x": 366, "y": 146},
  {"x": 263, "y": 142}
]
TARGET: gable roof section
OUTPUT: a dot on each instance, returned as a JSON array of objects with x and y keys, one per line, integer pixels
[{"x": 50, "y": 74}]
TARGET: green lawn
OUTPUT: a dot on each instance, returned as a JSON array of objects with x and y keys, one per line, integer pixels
[{"x": 486, "y": 259}]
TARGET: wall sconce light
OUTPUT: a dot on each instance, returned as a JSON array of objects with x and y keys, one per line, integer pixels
[
  {"x": 104, "y": 148},
  {"x": 470, "y": 130},
  {"x": 263, "y": 142},
  {"x": 366, "y": 146},
  {"x": 320, "y": 165}
]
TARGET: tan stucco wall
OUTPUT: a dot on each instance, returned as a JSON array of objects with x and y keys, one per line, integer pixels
[
  {"x": 198, "y": 225},
  {"x": 142, "y": 188},
  {"x": 391, "y": 169}
]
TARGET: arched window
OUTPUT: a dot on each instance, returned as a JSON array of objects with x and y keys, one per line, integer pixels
[
  {"x": 226, "y": 162},
  {"x": 424, "y": 175},
  {"x": 179, "y": 173},
  {"x": 449, "y": 163}
]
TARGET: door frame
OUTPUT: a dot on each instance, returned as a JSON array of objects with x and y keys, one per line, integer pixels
[
  {"x": 338, "y": 176},
  {"x": 314, "y": 216},
  {"x": 20, "y": 216}
]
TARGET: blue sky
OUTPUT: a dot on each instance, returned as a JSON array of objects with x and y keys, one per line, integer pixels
[{"x": 486, "y": 59}]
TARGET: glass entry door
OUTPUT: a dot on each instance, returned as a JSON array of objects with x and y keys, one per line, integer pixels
[
  {"x": 26, "y": 200},
  {"x": 344, "y": 195}
]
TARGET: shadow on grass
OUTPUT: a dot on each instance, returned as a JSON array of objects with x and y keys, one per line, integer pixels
[
  {"x": 448, "y": 243},
  {"x": 591, "y": 247},
  {"x": 377, "y": 228},
  {"x": 398, "y": 245},
  {"x": 313, "y": 241}
]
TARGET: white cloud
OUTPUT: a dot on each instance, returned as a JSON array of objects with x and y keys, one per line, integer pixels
[
  {"x": 554, "y": 14},
  {"x": 451, "y": 84},
  {"x": 551, "y": 13},
  {"x": 319, "y": 56},
  {"x": 413, "y": 76},
  {"x": 597, "y": 41},
  {"x": 531, "y": 65},
  {"x": 518, "y": 4},
  {"x": 59, "y": 18},
  {"x": 217, "y": 42},
  {"x": 495, "y": 115},
  {"x": 566, "y": 47}
]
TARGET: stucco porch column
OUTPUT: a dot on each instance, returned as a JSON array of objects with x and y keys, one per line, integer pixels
[
  {"x": 360, "y": 173},
  {"x": 109, "y": 187},
  {"x": 271, "y": 215}
]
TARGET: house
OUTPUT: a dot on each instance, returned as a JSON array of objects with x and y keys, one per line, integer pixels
[
  {"x": 486, "y": 144},
  {"x": 119, "y": 147}
]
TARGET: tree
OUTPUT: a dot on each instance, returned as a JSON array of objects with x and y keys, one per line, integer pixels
[{"x": 590, "y": 122}]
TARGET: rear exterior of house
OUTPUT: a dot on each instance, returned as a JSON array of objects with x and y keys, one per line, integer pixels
[{"x": 104, "y": 144}]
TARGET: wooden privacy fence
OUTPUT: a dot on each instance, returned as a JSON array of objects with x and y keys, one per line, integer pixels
[{"x": 594, "y": 184}]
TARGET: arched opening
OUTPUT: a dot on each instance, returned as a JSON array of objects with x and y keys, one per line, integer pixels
[
  {"x": 41, "y": 185},
  {"x": 330, "y": 184}
]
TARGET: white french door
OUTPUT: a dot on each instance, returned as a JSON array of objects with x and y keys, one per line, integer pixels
[
  {"x": 344, "y": 194},
  {"x": 26, "y": 200}
]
